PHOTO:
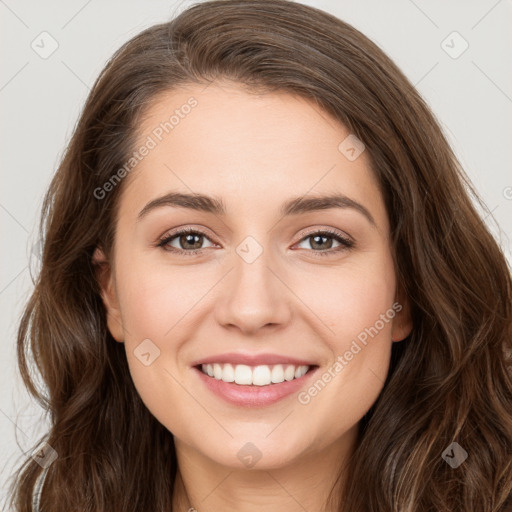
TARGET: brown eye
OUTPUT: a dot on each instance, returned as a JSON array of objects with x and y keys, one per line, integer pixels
[
  {"x": 322, "y": 242},
  {"x": 188, "y": 241}
]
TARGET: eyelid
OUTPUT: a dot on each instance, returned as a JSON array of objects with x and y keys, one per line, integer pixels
[
  {"x": 304, "y": 233},
  {"x": 186, "y": 229}
]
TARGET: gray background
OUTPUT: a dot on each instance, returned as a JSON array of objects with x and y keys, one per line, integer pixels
[{"x": 41, "y": 98}]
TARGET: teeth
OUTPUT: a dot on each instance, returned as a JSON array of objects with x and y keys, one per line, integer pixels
[
  {"x": 261, "y": 375},
  {"x": 228, "y": 373},
  {"x": 289, "y": 373},
  {"x": 277, "y": 375},
  {"x": 243, "y": 374},
  {"x": 217, "y": 371}
]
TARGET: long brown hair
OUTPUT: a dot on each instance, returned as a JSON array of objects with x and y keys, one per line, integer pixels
[{"x": 448, "y": 381}]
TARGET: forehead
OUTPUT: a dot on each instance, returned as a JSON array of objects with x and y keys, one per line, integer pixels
[{"x": 252, "y": 150}]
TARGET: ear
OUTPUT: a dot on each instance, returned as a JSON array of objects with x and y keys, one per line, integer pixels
[
  {"x": 402, "y": 323},
  {"x": 106, "y": 282}
]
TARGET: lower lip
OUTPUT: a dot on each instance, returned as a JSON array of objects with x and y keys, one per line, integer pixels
[{"x": 254, "y": 396}]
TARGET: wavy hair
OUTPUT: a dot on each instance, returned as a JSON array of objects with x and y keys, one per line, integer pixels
[{"x": 450, "y": 380}]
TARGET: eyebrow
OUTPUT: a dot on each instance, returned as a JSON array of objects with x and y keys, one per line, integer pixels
[{"x": 294, "y": 206}]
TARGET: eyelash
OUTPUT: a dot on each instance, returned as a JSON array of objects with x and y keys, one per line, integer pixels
[{"x": 346, "y": 244}]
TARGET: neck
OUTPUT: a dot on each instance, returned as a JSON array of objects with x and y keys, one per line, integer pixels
[{"x": 304, "y": 484}]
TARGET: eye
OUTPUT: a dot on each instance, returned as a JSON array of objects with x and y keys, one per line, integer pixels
[
  {"x": 189, "y": 241},
  {"x": 323, "y": 241}
]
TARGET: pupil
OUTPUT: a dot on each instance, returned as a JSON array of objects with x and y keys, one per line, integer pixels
[
  {"x": 189, "y": 238},
  {"x": 321, "y": 238}
]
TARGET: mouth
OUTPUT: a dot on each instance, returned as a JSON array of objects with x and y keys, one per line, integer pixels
[
  {"x": 254, "y": 380},
  {"x": 258, "y": 375},
  {"x": 254, "y": 386}
]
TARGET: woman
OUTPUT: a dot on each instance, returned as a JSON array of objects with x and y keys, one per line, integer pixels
[{"x": 263, "y": 367}]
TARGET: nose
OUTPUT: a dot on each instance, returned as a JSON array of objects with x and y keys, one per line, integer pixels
[{"x": 254, "y": 295}]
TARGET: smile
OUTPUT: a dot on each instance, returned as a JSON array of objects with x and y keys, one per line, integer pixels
[{"x": 261, "y": 375}]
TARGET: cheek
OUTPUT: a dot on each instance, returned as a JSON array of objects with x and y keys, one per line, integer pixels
[
  {"x": 158, "y": 303},
  {"x": 351, "y": 299},
  {"x": 356, "y": 304},
  {"x": 151, "y": 309},
  {"x": 154, "y": 299}
]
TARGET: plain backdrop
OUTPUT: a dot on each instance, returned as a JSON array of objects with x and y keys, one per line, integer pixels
[{"x": 41, "y": 95}]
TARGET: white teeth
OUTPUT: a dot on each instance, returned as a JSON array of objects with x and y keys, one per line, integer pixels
[
  {"x": 228, "y": 373},
  {"x": 289, "y": 373},
  {"x": 277, "y": 374},
  {"x": 261, "y": 375},
  {"x": 243, "y": 374},
  {"x": 297, "y": 372},
  {"x": 217, "y": 371}
]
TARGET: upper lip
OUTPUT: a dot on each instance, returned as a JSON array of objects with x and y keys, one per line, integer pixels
[{"x": 252, "y": 359}]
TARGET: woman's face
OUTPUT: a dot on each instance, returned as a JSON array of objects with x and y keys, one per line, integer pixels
[{"x": 268, "y": 289}]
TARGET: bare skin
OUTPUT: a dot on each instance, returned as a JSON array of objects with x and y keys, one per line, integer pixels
[{"x": 255, "y": 152}]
